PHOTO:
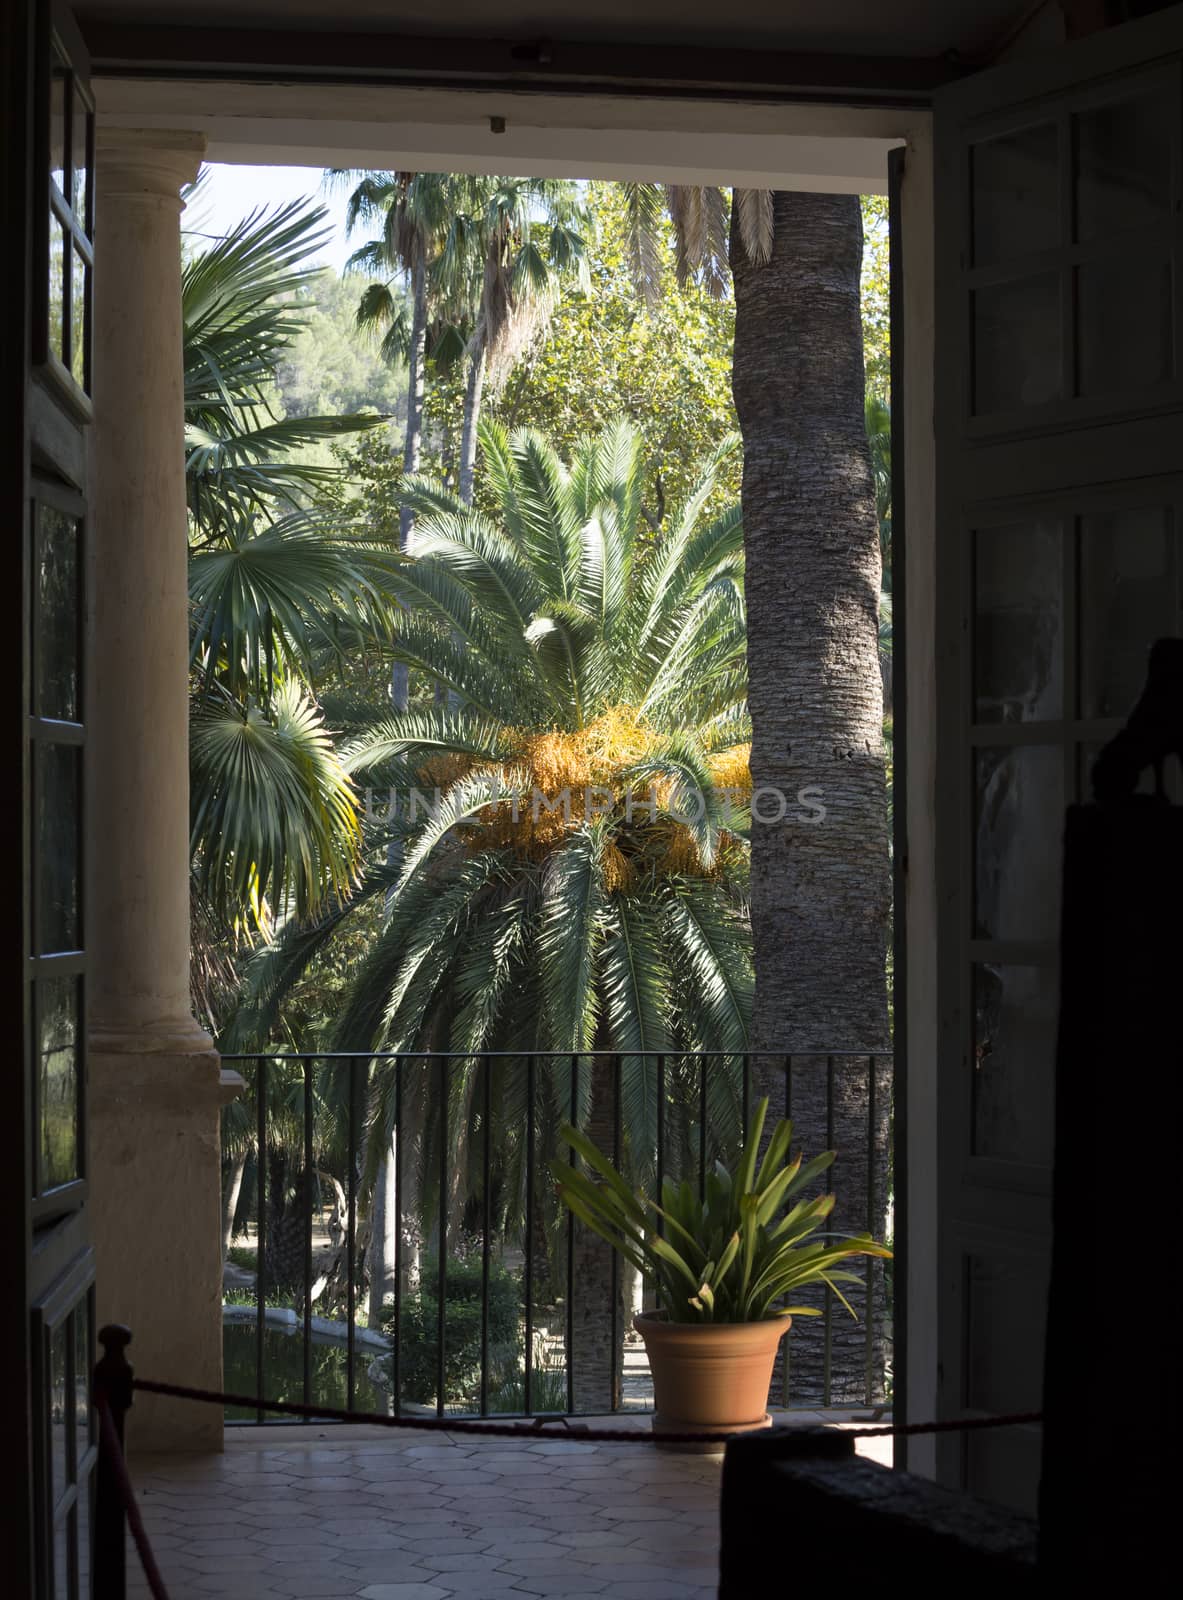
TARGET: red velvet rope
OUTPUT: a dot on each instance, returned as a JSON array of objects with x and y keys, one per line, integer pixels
[{"x": 516, "y": 1430}]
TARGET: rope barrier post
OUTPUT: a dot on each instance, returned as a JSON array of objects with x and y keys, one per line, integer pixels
[{"x": 111, "y": 1389}]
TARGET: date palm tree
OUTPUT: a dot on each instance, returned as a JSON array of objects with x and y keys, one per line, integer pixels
[
  {"x": 579, "y": 881},
  {"x": 820, "y": 895}
]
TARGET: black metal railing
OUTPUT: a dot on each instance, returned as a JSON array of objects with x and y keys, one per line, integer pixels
[{"x": 480, "y": 1295}]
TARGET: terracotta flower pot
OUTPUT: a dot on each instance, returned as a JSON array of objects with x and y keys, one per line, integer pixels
[{"x": 711, "y": 1376}]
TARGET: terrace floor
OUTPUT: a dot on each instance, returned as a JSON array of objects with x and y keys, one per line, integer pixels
[{"x": 347, "y": 1512}]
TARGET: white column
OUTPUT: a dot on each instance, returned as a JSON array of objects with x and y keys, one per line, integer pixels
[{"x": 155, "y": 1080}]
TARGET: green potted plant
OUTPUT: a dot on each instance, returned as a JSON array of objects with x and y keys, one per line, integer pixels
[{"x": 722, "y": 1267}]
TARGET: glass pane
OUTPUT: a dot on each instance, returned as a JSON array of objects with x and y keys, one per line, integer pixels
[
  {"x": 61, "y": 1562},
  {"x": 79, "y": 171},
  {"x": 1128, "y": 584},
  {"x": 1015, "y": 195},
  {"x": 84, "y": 1356},
  {"x": 1007, "y": 1304},
  {"x": 59, "y": 1405},
  {"x": 1016, "y": 344},
  {"x": 1018, "y": 622},
  {"x": 57, "y": 123},
  {"x": 1015, "y": 1017},
  {"x": 79, "y": 307},
  {"x": 1020, "y": 824},
  {"x": 57, "y": 289},
  {"x": 58, "y": 608},
  {"x": 59, "y": 797},
  {"x": 85, "y": 1491},
  {"x": 59, "y": 1080},
  {"x": 1123, "y": 325},
  {"x": 1123, "y": 165}
]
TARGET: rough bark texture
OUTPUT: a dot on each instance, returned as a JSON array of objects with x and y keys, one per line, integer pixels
[{"x": 820, "y": 889}]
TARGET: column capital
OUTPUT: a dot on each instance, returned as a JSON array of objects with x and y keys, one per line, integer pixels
[{"x": 146, "y": 163}]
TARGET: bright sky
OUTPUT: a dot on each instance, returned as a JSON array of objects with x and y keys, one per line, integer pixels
[{"x": 229, "y": 194}]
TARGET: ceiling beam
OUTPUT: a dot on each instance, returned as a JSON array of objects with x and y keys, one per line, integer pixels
[{"x": 287, "y": 55}]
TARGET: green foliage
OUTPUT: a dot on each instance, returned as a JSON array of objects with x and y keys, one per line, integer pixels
[
  {"x": 331, "y": 367},
  {"x": 417, "y": 1331},
  {"x": 604, "y": 357},
  {"x": 736, "y": 1253},
  {"x": 876, "y": 299},
  {"x": 243, "y": 301}
]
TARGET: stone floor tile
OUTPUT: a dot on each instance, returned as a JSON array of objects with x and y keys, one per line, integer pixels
[
  {"x": 298, "y": 1584},
  {"x": 479, "y": 1585},
  {"x": 567, "y": 1584},
  {"x": 649, "y": 1589},
  {"x": 403, "y": 1591}
]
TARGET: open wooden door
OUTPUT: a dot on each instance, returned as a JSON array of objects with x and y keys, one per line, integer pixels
[
  {"x": 48, "y": 177},
  {"x": 1059, "y": 416}
]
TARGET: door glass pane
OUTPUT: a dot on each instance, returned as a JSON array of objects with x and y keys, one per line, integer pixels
[
  {"x": 79, "y": 170},
  {"x": 1124, "y": 320},
  {"x": 1015, "y": 195},
  {"x": 59, "y": 1080},
  {"x": 83, "y": 1362},
  {"x": 1123, "y": 165},
  {"x": 1015, "y": 1017},
  {"x": 85, "y": 1491},
  {"x": 61, "y": 1561},
  {"x": 1016, "y": 344},
  {"x": 58, "y": 607},
  {"x": 59, "y": 771},
  {"x": 1020, "y": 824},
  {"x": 1128, "y": 586},
  {"x": 59, "y": 1406},
  {"x": 57, "y": 123},
  {"x": 57, "y": 289},
  {"x": 79, "y": 313},
  {"x": 1006, "y": 1308},
  {"x": 1018, "y": 622}
]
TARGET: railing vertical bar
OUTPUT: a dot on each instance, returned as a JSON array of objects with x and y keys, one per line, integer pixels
[
  {"x": 441, "y": 1290},
  {"x": 571, "y": 1248},
  {"x": 745, "y": 1070},
  {"x": 351, "y": 1236},
  {"x": 308, "y": 1186},
  {"x": 868, "y": 1332},
  {"x": 616, "y": 1376},
  {"x": 660, "y": 1075},
  {"x": 260, "y": 1226},
  {"x": 486, "y": 1221},
  {"x": 702, "y": 1128},
  {"x": 528, "y": 1274},
  {"x": 827, "y": 1367},
  {"x": 787, "y": 1342},
  {"x": 396, "y": 1376}
]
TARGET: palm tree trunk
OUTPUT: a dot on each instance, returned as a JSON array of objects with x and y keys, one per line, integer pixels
[
  {"x": 416, "y": 380},
  {"x": 596, "y": 1356},
  {"x": 231, "y": 1189},
  {"x": 472, "y": 416},
  {"x": 413, "y": 445},
  {"x": 396, "y": 1204},
  {"x": 820, "y": 890}
]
